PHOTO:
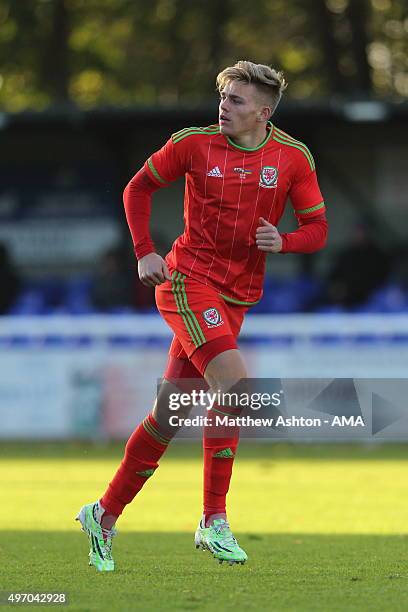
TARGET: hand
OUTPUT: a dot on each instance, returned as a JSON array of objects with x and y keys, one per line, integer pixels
[
  {"x": 153, "y": 270},
  {"x": 267, "y": 237}
]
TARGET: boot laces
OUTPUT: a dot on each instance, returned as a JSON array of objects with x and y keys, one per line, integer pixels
[
  {"x": 108, "y": 534},
  {"x": 224, "y": 532}
]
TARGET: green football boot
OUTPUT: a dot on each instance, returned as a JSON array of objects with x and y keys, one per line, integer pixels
[
  {"x": 100, "y": 539},
  {"x": 218, "y": 539}
]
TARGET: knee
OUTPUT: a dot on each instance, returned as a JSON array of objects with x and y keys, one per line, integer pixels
[
  {"x": 235, "y": 395},
  {"x": 226, "y": 371},
  {"x": 168, "y": 399}
]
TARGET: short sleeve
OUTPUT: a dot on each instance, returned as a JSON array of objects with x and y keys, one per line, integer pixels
[
  {"x": 305, "y": 194},
  {"x": 167, "y": 164}
]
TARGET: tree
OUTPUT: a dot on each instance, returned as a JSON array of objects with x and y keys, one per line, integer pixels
[{"x": 122, "y": 52}]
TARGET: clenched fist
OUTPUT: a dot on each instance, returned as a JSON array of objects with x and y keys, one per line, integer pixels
[
  {"x": 153, "y": 270},
  {"x": 268, "y": 238}
]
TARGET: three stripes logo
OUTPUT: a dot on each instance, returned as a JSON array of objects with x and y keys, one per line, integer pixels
[
  {"x": 190, "y": 320},
  {"x": 225, "y": 453},
  {"x": 216, "y": 172},
  {"x": 146, "y": 473}
]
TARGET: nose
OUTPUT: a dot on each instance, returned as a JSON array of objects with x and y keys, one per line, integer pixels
[{"x": 223, "y": 104}]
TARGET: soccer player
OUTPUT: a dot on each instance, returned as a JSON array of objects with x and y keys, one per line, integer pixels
[{"x": 238, "y": 176}]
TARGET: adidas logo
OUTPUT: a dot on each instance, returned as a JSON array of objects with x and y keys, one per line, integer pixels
[
  {"x": 146, "y": 473},
  {"x": 215, "y": 172},
  {"x": 226, "y": 453}
]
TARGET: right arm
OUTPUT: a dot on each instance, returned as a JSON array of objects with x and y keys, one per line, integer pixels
[
  {"x": 160, "y": 169},
  {"x": 137, "y": 199}
]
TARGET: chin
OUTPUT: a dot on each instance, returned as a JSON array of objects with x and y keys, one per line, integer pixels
[{"x": 226, "y": 129}]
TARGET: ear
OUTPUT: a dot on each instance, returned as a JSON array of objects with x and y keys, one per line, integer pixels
[{"x": 264, "y": 114}]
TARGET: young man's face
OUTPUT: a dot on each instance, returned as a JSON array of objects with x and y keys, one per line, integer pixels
[{"x": 241, "y": 109}]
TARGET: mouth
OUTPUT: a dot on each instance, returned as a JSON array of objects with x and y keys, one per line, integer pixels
[{"x": 224, "y": 119}]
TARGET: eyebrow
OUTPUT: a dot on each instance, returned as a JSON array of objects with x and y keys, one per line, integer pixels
[{"x": 234, "y": 96}]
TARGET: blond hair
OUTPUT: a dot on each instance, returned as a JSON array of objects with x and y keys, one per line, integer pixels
[{"x": 267, "y": 80}]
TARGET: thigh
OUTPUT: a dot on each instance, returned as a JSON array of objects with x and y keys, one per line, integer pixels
[
  {"x": 176, "y": 350},
  {"x": 236, "y": 314},
  {"x": 195, "y": 312},
  {"x": 225, "y": 370}
]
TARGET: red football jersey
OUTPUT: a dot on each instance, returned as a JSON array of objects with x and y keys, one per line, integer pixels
[{"x": 227, "y": 189}]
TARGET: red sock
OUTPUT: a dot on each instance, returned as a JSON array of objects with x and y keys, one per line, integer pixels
[
  {"x": 219, "y": 453},
  {"x": 143, "y": 450}
]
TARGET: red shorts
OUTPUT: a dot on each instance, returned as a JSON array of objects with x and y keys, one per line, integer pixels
[{"x": 204, "y": 324}]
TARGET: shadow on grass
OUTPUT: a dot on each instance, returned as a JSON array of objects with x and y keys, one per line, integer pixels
[
  {"x": 165, "y": 572},
  {"x": 181, "y": 449}
]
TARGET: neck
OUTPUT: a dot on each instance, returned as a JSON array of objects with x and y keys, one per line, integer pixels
[{"x": 251, "y": 140}]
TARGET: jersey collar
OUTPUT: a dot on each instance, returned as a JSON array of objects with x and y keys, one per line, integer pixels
[{"x": 263, "y": 143}]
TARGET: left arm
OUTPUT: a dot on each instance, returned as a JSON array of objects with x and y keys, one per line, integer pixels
[
  {"x": 310, "y": 236},
  {"x": 310, "y": 212}
]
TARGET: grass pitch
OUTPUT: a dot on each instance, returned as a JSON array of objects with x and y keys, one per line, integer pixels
[{"x": 324, "y": 527}]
